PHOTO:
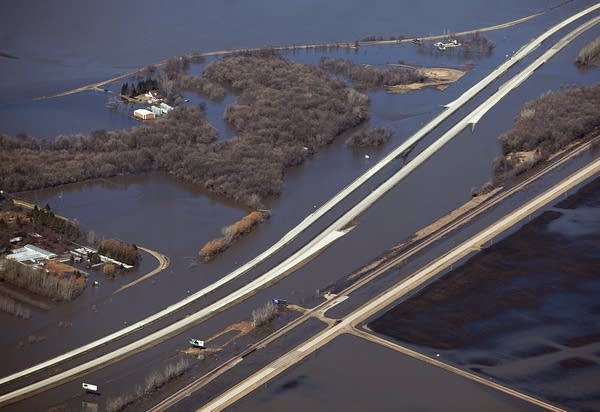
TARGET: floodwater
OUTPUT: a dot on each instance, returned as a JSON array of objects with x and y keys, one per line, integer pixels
[
  {"x": 161, "y": 213},
  {"x": 524, "y": 311},
  {"x": 352, "y": 374},
  {"x": 69, "y": 44}
]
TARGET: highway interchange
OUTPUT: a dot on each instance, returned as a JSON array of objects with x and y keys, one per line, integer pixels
[{"x": 329, "y": 235}]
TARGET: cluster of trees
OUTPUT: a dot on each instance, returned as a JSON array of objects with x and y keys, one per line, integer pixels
[
  {"x": 368, "y": 77},
  {"x": 120, "y": 251},
  {"x": 264, "y": 315},
  {"x": 284, "y": 112},
  {"x": 143, "y": 86},
  {"x": 11, "y": 306},
  {"x": 45, "y": 217},
  {"x": 231, "y": 233},
  {"x": 153, "y": 382},
  {"x": 588, "y": 53},
  {"x": 471, "y": 45},
  {"x": 371, "y": 138},
  {"x": 477, "y": 43},
  {"x": 28, "y": 163},
  {"x": 39, "y": 282},
  {"x": 372, "y": 38},
  {"x": 545, "y": 126},
  {"x": 175, "y": 78}
]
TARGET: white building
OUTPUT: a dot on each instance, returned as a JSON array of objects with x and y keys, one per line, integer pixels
[
  {"x": 157, "y": 110},
  {"x": 166, "y": 108},
  {"x": 143, "y": 114},
  {"x": 30, "y": 253}
]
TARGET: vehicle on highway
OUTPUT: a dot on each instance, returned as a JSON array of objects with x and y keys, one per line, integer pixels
[
  {"x": 197, "y": 343},
  {"x": 88, "y": 387}
]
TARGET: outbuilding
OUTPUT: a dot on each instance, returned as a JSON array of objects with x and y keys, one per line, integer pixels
[{"x": 143, "y": 114}]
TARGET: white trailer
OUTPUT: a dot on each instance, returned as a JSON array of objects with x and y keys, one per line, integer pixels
[{"x": 88, "y": 387}]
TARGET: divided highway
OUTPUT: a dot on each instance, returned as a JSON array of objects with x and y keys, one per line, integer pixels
[
  {"x": 316, "y": 245},
  {"x": 402, "y": 289},
  {"x": 375, "y": 271}
]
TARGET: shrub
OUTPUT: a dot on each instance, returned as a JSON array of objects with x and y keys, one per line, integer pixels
[
  {"x": 109, "y": 269},
  {"x": 589, "y": 53},
  {"x": 368, "y": 77},
  {"x": 120, "y": 251},
  {"x": 11, "y": 306},
  {"x": 154, "y": 381},
  {"x": 371, "y": 138},
  {"x": 264, "y": 314},
  {"x": 231, "y": 233}
]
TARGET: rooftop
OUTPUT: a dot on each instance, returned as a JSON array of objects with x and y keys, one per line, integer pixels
[{"x": 30, "y": 252}]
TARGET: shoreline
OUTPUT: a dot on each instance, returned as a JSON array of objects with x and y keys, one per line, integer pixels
[{"x": 352, "y": 45}]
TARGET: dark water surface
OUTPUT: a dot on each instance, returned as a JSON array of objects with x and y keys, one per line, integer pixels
[
  {"x": 351, "y": 374},
  {"x": 524, "y": 311},
  {"x": 67, "y": 44},
  {"x": 62, "y": 49},
  {"x": 176, "y": 219}
]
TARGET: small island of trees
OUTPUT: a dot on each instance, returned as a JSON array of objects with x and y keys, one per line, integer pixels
[
  {"x": 544, "y": 127},
  {"x": 284, "y": 112}
]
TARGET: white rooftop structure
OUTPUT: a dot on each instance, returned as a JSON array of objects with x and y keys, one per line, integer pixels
[
  {"x": 165, "y": 107},
  {"x": 30, "y": 252},
  {"x": 143, "y": 114}
]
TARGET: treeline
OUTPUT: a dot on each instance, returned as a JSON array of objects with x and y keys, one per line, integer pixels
[
  {"x": 476, "y": 43},
  {"x": 142, "y": 86},
  {"x": 153, "y": 382},
  {"x": 39, "y": 282},
  {"x": 11, "y": 306},
  {"x": 230, "y": 234},
  {"x": 368, "y": 77},
  {"x": 589, "y": 53},
  {"x": 545, "y": 126},
  {"x": 174, "y": 79},
  {"x": 45, "y": 217},
  {"x": 264, "y": 314},
  {"x": 284, "y": 111},
  {"x": 371, "y": 138},
  {"x": 471, "y": 45},
  {"x": 28, "y": 163},
  {"x": 120, "y": 251}
]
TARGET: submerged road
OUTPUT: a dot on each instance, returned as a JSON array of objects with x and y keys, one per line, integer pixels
[
  {"x": 332, "y": 233},
  {"x": 403, "y": 288},
  {"x": 98, "y": 85}
]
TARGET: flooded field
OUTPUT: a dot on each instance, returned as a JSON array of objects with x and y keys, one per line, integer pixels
[
  {"x": 523, "y": 311},
  {"x": 352, "y": 374}
]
